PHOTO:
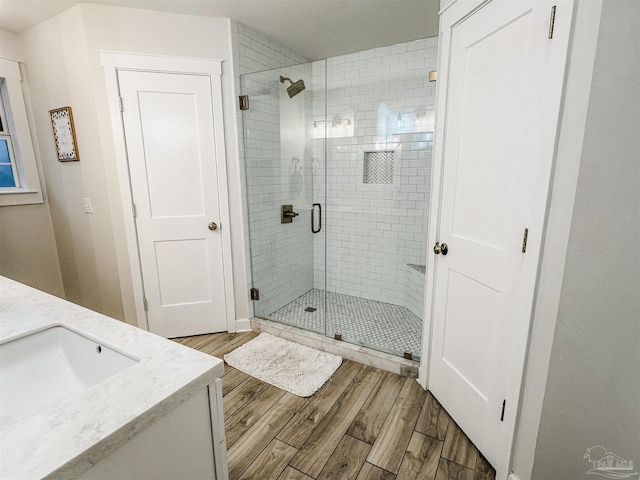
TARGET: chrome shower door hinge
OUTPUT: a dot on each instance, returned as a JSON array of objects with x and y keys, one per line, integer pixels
[
  {"x": 244, "y": 102},
  {"x": 255, "y": 294}
]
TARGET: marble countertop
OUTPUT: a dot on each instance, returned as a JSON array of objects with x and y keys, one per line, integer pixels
[{"x": 71, "y": 435}]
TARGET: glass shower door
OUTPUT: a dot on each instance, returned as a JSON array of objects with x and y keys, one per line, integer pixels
[
  {"x": 284, "y": 179},
  {"x": 338, "y": 170},
  {"x": 379, "y": 144}
]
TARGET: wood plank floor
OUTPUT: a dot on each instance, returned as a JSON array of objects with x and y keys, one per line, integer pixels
[{"x": 363, "y": 424}]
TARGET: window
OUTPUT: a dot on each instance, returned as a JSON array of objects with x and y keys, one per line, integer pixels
[
  {"x": 19, "y": 181},
  {"x": 8, "y": 173}
]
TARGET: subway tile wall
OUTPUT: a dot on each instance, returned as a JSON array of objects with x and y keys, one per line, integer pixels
[
  {"x": 281, "y": 267},
  {"x": 256, "y": 52},
  {"x": 414, "y": 290},
  {"x": 278, "y": 166},
  {"x": 377, "y": 100}
]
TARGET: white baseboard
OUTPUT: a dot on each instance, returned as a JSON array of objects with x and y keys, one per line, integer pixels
[{"x": 243, "y": 325}]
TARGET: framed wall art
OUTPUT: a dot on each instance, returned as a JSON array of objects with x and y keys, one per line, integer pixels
[{"x": 64, "y": 134}]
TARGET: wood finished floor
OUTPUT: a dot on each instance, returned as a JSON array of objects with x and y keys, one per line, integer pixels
[{"x": 363, "y": 424}]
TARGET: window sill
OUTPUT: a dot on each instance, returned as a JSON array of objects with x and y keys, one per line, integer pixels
[{"x": 20, "y": 197}]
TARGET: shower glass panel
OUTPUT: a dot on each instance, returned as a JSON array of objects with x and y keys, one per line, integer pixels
[
  {"x": 380, "y": 112},
  {"x": 284, "y": 179},
  {"x": 352, "y": 149}
]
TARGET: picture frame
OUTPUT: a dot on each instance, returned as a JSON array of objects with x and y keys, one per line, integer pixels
[{"x": 64, "y": 134}]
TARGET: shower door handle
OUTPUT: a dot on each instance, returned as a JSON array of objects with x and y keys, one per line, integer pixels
[{"x": 313, "y": 221}]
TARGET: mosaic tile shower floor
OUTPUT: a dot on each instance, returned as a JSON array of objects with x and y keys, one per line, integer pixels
[{"x": 381, "y": 326}]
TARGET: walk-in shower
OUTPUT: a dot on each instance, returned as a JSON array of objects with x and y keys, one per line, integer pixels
[{"x": 337, "y": 175}]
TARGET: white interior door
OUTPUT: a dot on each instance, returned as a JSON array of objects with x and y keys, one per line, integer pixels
[
  {"x": 502, "y": 83},
  {"x": 169, "y": 129}
]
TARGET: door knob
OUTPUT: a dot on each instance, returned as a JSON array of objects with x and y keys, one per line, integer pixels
[
  {"x": 213, "y": 226},
  {"x": 440, "y": 249}
]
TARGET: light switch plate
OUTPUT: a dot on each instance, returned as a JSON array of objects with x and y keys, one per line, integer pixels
[{"x": 87, "y": 206}]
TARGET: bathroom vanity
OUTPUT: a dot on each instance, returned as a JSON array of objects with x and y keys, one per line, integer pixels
[{"x": 85, "y": 396}]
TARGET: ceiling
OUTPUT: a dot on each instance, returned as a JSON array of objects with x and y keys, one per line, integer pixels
[{"x": 314, "y": 28}]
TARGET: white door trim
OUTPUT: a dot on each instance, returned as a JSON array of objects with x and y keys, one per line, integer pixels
[{"x": 112, "y": 62}]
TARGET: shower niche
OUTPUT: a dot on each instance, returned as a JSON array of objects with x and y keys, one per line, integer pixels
[{"x": 345, "y": 145}]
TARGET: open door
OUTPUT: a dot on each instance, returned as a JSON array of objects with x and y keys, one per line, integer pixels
[{"x": 500, "y": 89}]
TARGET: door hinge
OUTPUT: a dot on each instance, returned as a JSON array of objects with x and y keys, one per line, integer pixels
[
  {"x": 255, "y": 294},
  {"x": 133, "y": 210},
  {"x": 552, "y": 21},
  {"x": 120, "y": 104},
  {"x": 433, "y": 76},
  {"x": 244, "y": 102},
  {"x": 524, "y": 240},
  {"x": 144, "y": 302},
  {"x": 504, "y": 403}
]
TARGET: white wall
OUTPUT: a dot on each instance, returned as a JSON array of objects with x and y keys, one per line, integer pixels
[
  {"x": 582, "y": 381},
  {"x": 27, "y": 245},
  {"x": 10, "y": 46},
  {"x": 91, "y": 248},
  {"x": 593, "y": 388}
]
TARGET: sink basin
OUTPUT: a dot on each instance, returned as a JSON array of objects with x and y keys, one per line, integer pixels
[{"x": 41, "y": 368}]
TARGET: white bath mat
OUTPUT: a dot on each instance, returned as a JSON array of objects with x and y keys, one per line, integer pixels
[{"x": 293, "y": 367}]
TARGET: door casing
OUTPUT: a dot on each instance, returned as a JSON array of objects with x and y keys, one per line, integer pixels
[{"x": 112, "y": 62}]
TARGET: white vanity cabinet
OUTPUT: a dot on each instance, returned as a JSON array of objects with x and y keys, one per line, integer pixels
[
  {"x": 159, "y": 417},
  {"x": 187, "y": 443}
]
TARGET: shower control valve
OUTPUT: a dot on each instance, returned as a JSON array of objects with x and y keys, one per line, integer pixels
[{"x": 287, "y": 214}]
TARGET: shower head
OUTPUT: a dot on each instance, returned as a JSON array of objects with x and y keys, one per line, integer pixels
[{"x": 295, "y": 87}]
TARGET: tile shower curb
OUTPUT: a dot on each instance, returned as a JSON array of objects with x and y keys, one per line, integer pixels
[{"x": 356, "y": 353}]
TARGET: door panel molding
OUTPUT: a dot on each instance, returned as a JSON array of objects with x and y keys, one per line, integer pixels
[{"x": 129, "y": 262}]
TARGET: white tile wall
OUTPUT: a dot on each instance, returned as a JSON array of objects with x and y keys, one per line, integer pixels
[
  {"x": 256, "y": 52},
  {"x": 375, "y": 231},
  {"x": 279, "y": 268},
  {"x": 278, "y": 172},
  {"x": 376, "y": 99},
  {"x": 414, "y": 289}
]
